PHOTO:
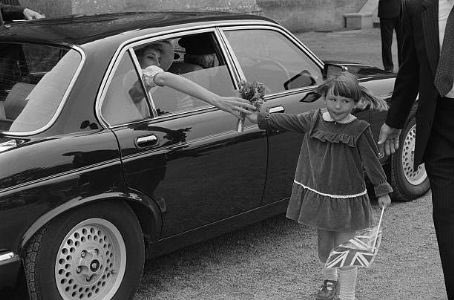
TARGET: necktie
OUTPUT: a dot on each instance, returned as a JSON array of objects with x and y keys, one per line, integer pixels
[{"x": 445, "y": 69}]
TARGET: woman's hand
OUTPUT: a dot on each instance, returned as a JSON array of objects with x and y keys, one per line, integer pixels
[
  {"x": 234, "y": 105},
  {"x": 32, "y": 15},
  {"x": 384, "y": 201}
]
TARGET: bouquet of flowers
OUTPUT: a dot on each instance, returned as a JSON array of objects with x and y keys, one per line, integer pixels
[{"x": 255, "y": 93}]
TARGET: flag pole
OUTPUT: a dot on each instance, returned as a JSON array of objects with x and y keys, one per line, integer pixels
[{"x": 378, "y": 226}]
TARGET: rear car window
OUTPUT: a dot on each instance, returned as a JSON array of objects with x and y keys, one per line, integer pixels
[{"x": 33, "y": 82}]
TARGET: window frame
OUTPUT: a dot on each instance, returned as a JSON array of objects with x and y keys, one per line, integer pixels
[
  {"x": 299, "y": 45},
  {"x": 128, "y": 47},
  {"x": 66, "y": 93}
]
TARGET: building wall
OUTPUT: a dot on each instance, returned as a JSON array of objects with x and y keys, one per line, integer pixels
[
  {"x": 296, "y": 15},
  {"x": 310, "y": 15}
]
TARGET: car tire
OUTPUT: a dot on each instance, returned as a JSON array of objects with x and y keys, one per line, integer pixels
[
  {"x": 407, "y": 183},
  {"x": 92, "y": 252}
]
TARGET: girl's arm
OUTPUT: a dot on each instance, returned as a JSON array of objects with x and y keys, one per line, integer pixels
[
  {"x": 231, "y": 105},
  {"x": 280, "y": 121},
  {"x": 369, "y": 155}
]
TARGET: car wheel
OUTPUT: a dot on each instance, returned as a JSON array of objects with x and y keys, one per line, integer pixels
[
  {"x": 93, "y": 252},
  {"x": 407, "y": 183}
]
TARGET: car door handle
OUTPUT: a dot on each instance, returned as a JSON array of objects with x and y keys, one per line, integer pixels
[
  {"x": 147, "y": 141},
  {"x": 276, "y": 109}
]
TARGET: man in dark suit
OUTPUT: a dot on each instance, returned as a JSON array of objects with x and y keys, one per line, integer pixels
[
  {"x": 12, "y": 12},
  {"x": 426, "y": 70},
  {"x": 389, "y": 14}
]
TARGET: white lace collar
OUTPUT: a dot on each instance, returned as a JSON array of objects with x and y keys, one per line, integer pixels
[{"x": 327, "y": 117}]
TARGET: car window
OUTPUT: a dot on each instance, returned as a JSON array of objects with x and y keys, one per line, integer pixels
[
  {"x": 125, "y": 99},
  {"x": 33, "y": 81},
  {"x": 269, "y": 57},
  {"x": 196, "y": 57}
]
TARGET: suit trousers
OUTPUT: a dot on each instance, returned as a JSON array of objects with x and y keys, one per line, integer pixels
[
  {"x": 387, "y": 26},
  {"x": 439, "y": 162}
]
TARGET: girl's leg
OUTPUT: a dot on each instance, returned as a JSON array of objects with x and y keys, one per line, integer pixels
[
  {"x": 347, "y": 275},
  {"x": 326, "y": 240},
  {"x": 325, "y": 244}
]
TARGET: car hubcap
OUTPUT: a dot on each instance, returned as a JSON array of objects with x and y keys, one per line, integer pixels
[
  {"x": 408, "y": 154},
  {"x": 91, "y": 261}
]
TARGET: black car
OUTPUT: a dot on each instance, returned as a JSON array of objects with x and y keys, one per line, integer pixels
[{"x": 91, "y": 184}]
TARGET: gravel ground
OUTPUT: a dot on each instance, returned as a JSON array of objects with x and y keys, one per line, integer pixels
[{"x": 277, "y": 258}]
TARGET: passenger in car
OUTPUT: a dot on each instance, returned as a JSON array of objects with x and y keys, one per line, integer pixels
[
  {"x": 329, "y": 190},
  {"x": 156, "y": 58},
  {"x": 199, "y": 50}
]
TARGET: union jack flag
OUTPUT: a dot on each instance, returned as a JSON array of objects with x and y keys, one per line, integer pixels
[{"x": 360, "y": 250}]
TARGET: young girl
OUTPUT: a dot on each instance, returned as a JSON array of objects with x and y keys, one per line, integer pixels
[{"x": 329, "y": 191}]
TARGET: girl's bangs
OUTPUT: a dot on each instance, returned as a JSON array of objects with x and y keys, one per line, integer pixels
[{"x": 346, "y": 88}]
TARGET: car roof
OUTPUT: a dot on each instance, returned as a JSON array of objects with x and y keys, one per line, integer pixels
[{"x": 82, "y": 29}]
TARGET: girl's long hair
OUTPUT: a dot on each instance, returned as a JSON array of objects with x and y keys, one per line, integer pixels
[{"x": 346, "y": 85}]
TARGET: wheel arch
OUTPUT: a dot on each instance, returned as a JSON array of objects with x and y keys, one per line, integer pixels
[{"x": 145, "y": 209}]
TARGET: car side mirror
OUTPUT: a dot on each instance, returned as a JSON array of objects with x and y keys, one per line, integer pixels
[
  {"x": 311, "y": 97},
  {"x": 330, "y": 70},
  {"x": 302, "y": 79}
]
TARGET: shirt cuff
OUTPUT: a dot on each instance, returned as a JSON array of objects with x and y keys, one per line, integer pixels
[
  {"x": 382, "y": 189},
  {"x": 262, "y": 120},
  {"x": 150, "y": 73}
]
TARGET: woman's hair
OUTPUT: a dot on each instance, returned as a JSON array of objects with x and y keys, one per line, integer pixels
[
  {"x": 164, "y": 47},
  {"x": 346, "y": 85}
]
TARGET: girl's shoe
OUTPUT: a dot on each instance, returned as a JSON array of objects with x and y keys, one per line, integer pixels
[{"x": 327, "y": 291}]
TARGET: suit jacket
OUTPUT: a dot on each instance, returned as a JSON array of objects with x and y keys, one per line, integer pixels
[
  {"x": 420, "y": 53},
  {"x": 10, "y": 12},
  {"x": 389, "y": 8}
]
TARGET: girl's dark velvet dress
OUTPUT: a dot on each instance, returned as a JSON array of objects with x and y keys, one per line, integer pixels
[{"x": 329, "y": 190}]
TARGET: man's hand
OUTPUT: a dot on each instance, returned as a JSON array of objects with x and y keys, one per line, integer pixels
[
  {"x": 32, "y": 15},
  {"x": 388, "y": 140}
]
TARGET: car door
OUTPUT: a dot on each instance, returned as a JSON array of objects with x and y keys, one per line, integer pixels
[
  {"x": 184, "y": 154},
  {"x": 289, "y": 71}
]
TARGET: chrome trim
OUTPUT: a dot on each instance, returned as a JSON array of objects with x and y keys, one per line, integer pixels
[
  {"x": 81, "y": 170},
  {"x": 105, "y": 83},
  {"x": 62, "y": 102},
  {"x": 276, "y": 109},
  {"x": 6, "y": 256},
  {"x": 166, "y": 117},
  {"x": 136, "y": 63},
  {"x": 149, "y": 140},
  {"x": 231, "y": 60}
]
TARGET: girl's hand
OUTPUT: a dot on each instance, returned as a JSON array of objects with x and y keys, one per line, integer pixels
[
  {"x": 384, "y": 201},
  {"x": 234, "y": 105}
]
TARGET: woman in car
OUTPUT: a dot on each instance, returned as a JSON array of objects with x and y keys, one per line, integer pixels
[{"x": 156, "y": 58}]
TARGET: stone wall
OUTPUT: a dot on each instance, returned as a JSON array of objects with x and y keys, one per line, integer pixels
[{"x": 296, "y": 15}]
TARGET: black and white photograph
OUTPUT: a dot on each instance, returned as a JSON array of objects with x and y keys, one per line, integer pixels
[{"x": 226, "y": 150}]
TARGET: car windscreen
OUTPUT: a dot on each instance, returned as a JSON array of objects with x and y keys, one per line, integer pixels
[{"x": 34, "y": 80}]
